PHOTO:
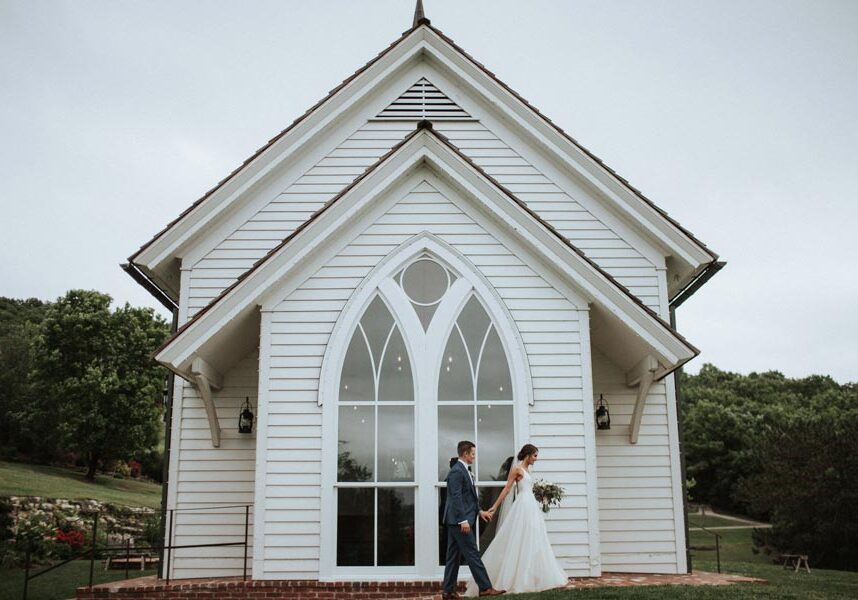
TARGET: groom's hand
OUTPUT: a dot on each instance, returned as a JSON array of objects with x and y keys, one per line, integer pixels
[{"x": 465, "y": 527}]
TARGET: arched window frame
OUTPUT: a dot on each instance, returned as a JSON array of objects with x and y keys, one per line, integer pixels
[{"x": 424, "y": 347}]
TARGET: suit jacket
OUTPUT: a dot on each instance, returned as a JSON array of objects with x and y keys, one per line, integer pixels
[{"x": 462, "y": 501}]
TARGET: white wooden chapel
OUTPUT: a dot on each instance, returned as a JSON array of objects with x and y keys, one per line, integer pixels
[{"x": 420, "y": 258}]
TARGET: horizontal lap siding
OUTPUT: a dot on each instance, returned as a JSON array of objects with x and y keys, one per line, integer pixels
[
  {"x": 636, "y": 507},
  {"x": 233, "y": 256},
  {"x": 300, "y": 331},
  {"x": 210, "y": 477}
]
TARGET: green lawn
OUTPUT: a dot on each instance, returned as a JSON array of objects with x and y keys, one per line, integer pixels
[
  {"x": 59, "y": 583},
  {"x": 783, "y": 585},
  {"x": 17, "y": 479}
]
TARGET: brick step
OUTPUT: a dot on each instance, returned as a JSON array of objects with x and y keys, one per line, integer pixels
[{"x": 150, "y": 588}]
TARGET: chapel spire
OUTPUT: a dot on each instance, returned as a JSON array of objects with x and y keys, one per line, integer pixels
[{"x": 419, "y": 15}]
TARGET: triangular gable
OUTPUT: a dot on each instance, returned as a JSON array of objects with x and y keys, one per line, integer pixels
[
  {"x": 425, "y": 145},
  {"x": 423, "y": 38},
  {"x": 423, "y": 101}
]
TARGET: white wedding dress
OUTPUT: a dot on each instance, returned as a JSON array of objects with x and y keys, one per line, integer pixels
[{"x": 520, "y": 558}]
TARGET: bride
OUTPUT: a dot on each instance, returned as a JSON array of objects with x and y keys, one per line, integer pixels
[{"x": 520, "y": 558}]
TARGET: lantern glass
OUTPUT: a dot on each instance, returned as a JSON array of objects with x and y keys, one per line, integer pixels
[
  {"x": 603, "y": 417},
  {"x": 245, "y": 418}
]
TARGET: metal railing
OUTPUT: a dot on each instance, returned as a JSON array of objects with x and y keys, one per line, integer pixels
[
  {"x": 716, "y": 548},
  {"x": 167, "y": 550}
]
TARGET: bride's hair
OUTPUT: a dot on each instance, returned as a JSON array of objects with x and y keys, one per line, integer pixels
[{"x": 526, "y": 451}]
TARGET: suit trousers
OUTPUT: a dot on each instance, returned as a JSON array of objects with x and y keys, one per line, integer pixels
[{"x": 464, "y": 544}]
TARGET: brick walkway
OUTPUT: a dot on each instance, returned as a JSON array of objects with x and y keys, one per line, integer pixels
[{"x": 149, "y": 588}]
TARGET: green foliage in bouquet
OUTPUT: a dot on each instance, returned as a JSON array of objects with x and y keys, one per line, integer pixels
[{"x": 548, "y": 494}]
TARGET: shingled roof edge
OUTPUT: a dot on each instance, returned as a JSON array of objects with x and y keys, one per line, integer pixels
[{"x": 427, "y": 126}]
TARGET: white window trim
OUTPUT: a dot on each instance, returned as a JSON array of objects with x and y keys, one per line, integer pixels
[{"x": 380, "y": 281}]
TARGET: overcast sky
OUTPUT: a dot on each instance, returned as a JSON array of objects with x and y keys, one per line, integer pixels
[{"x": 737, "y": 117}]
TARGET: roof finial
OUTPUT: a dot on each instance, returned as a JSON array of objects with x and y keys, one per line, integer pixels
[{"x": 419, "y": 15}]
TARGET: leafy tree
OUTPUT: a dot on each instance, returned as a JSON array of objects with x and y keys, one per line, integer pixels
[
  {"x": 96, "y": 384},
  {"x": 19, "y": 331},
  {"x": 806, "y": 478},
  {"x": 725, "y": 415}
]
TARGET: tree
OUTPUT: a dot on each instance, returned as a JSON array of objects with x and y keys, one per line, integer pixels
[
  {"x": 806, "y": 478},
  {"x": 95, "y": 373},
  {"x": 19, "y": 331},
  {"x": 725, "y": 415}
]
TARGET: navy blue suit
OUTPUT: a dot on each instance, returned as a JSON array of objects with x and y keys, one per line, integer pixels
[{"x": 462, "y": 505}]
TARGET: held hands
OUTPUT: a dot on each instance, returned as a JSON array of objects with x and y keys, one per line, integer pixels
[{"x": 487, "y": 515}]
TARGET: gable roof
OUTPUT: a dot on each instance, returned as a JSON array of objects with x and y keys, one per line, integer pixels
[
  {"x": 619, "y": 301},
  {"x": 420, "y": 25}
]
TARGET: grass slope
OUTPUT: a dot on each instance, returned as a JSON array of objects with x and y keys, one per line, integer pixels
[{"x": 18, "y": 479}]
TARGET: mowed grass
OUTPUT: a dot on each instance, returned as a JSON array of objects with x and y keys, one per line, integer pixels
[
  {"x": 736, "y": 558},
  {"x": 18, "y": 479},
  {"x": 59, "y": 583},
  {"x": 783, "y": 585}
]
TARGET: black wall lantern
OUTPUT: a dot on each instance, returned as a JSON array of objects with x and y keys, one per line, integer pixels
[
  {"x": 245, "y": 418},
  {"x": 603, "y": 417}
]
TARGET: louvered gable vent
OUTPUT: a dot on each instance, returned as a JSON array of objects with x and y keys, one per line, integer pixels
[{"x": 423, "y": 101}]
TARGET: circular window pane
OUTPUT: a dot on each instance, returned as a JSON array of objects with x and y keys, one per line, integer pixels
[{"x": 425, "y": 282}]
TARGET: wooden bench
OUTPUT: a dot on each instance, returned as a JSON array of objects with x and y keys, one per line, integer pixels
[
  {"x": 795, "y": 561},
  {"x": 132, "y": 561}
]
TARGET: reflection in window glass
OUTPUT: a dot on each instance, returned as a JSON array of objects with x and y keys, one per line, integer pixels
[
  {"x": 377, "y": 323},
  {"x": 395, "y": 526},
  {"x": 355, "y": 544},
  {"x": 396, "y": 443},
  {"x": 455, "y": 423},
  {"x": 456, "y": 380},
  {"x": 493, "y": 381},
  {"x": 356, "y": 443},
  {"x": 395, "y": 381},
  {"x": 495, "y": 435},
  {"x": 376, "y": 444},
  {"x": 357, "y": 383},
  {"x": 474, "y": 322}
]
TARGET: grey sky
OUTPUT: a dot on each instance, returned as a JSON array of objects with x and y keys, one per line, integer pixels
[{"x": 737, "y": 117}]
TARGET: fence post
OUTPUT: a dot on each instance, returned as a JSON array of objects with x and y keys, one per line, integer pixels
[
  {"x": 27, "y": 570},
  {"x": 718, "y": 550},
  {"x": 246, "y": 528},
  {"x": 92, "y": 550},
  {"x": 127, "y": 555},
  {"x": 169, "y": 548}
]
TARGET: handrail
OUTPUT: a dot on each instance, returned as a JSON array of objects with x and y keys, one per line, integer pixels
[
  {"x": 717, "y": 544},
  {"x": 95, "y": 548}
]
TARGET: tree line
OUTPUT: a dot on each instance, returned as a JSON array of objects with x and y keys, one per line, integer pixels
[
  {"x": 779, "y": 449},
  {"x": 77, "y": 381}
]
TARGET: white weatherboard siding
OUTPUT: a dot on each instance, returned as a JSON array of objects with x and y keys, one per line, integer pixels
[
  {"x": 209, "y": 477},
  {"x": 301, "y": 327},
  {"x": 636, "y": 487},
  {"x": 235, "y": 254}
]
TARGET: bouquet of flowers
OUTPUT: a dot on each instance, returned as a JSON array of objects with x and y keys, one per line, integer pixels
[{"x": 548, "y": 494}]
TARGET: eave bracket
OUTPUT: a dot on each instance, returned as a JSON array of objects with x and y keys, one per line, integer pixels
[
  {"x": 206, "y": 378},
  {"x": 641, "y": 375}
]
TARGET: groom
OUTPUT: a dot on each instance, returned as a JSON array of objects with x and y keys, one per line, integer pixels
[{"x": 460, "y": 518}]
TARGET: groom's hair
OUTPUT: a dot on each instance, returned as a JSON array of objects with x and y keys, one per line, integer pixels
[{"x": 465, "y": 447}]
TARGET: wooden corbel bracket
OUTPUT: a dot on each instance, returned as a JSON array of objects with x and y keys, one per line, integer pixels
[
  {"x": 641, "y": 375},
  {"x": 206, "y": 378}
]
